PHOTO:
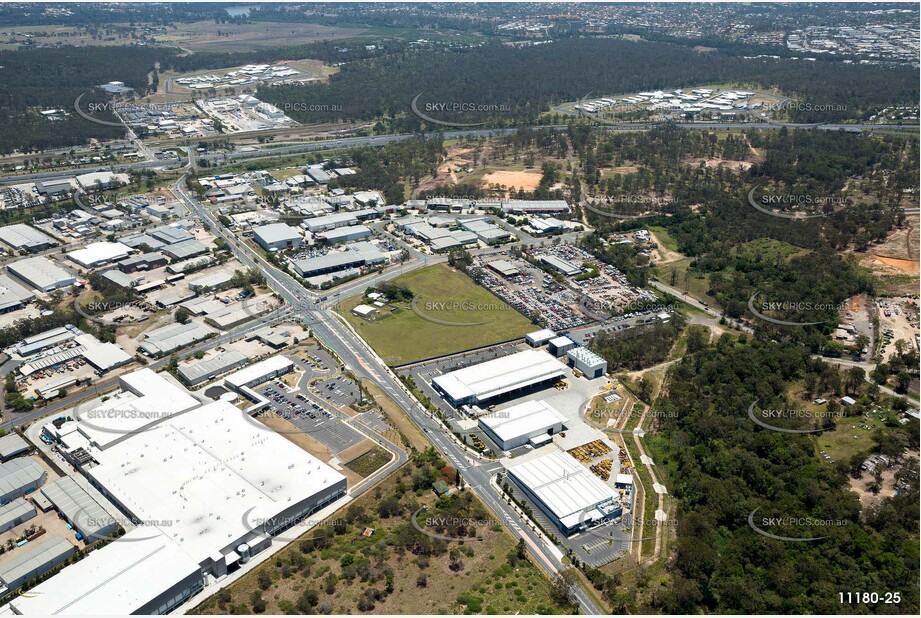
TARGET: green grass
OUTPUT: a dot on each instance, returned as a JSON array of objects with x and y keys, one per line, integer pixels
[
  {"x": 403, "y": 335},
  {"x": 664, "y": 237},
  {"x": 367, "y": 463}
]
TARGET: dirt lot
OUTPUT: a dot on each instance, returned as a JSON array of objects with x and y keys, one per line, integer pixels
[
  {"x": 513, "y": 180},
  {"x": 213, "y": 37},
  {"x": 868, "y": 498}
]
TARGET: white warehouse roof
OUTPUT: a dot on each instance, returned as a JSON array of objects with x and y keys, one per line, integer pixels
[
  {"x": 267, "y": 367},
  {"x": 99, "y": 253},
  {"x": 206, "y": 471},
  {"x": 567, "y": 489},
  {"x": 117, "y": 580},
  {"x": 524, "y": 419},
  {"x": 500, "y": 375}
]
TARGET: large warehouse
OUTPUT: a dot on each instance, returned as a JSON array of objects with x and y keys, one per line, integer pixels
[
  {"x": 41, "y": 274},
  {"x": 218, "y": 478},
  {"x": 21, "y": 237},
  {"x": 12, "y": 295},
  {"x": 517, "y": 425},
  {"x": 33, "y": 559},
  {"x": 568, "y": 493},
  {"x": 20, "y": 477},
  {"x": 144, "y": 572},
  {"x": 99, "y": 253},
  {"x": 260, "y": 372},
  {"x": 499, "y": 378},
  {"x": 277, "y": 236}
]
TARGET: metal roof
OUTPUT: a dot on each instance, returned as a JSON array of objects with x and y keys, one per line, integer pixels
[
  {"x": 11, "y": 445},
  {"x": 501, "y": 375},
  {"x": 79, "y": 507},
  {"x": 524, "y": 419},
  {"x": 18, "y": 474},
  {"x": 34, "y": 559},
  {"x": 21, "y": 236}
]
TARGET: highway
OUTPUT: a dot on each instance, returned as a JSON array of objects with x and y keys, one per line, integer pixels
[{"x": 345, "y": 143}]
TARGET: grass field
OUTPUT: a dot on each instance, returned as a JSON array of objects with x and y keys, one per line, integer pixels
[
  {"x": 369, "y": 462},
  {"x": 476, "y": 318}
]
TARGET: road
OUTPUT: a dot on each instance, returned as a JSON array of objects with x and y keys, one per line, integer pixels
[
  {"x": 345, "y": 143},
  {"x": 366, "y": 364}
]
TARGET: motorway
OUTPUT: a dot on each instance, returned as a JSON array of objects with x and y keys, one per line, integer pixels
[{"x": 344, "y": 143}]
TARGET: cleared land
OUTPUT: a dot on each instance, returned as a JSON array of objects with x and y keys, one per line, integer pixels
[
  {"x": 212, "y": 37},
  {"x": 477, "y": 317}
]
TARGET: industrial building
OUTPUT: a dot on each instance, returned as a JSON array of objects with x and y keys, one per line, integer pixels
[
  {"x": 500, "y": 377},
  {"x": 79, "y": 508},
  {"x": 185, "y": 249},
  {"x": 529, "y": 422},
  {"x": 354, "y": 256},
  {"x": 567, "y": 268},
  {"x": 12, "y": 445},
  {"x": 539, "y": 337},
  {"x": 558, "y": 346},
  {"x": 504, "y": 268},
  {"x": 201, "y": 371},
  {"x": 535, "y": 206},
  {"x": 144, "y": 261},
  {"x": 20, "y": 477},
  {"x": 144, "y": 572},
  {"x": 590, "y": 364},
  {"x": 489, "y": 233},
  {"x": 222, "y": 482},
  {"x": 329, "y": 222},
  {"x": 42, "y": 274},
  {"x": 278, "y": 236},
  {"x": 22, "y": 237},
  {"x": 99, "y": 253},
  {"x": 211, "y": 281},
  {"x": 145, "y": 399},
  {"x": 344, "y": 234},
  {"x": 567, "y": 492},
  {"x": 258, "y": 373},
  {"x": 32, "y": 560},
  {"x": 168, "y": 338},
  {"x": 99, "y": 181},
  {"x": 12, "y": 295},
  {"x": 15, "y": 513}
]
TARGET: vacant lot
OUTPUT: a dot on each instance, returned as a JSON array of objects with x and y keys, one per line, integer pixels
[
  {"x": 451, "y": 314},
  {"x": 513, "y": 180}
]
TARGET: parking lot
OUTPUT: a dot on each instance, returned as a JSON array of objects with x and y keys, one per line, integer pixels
[{"x": 311, "y": 417}]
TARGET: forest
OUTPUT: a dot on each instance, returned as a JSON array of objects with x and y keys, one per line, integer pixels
[{"x": 723, "y": 467}]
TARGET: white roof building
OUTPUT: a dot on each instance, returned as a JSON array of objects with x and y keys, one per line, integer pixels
[
  {"x": 212, "y": 478},
  {"x": 566, "y": 491},
  {"x": 97, "y": 253},
  {"x": 143, "y": 572},
  {"x": 515, "y": 426},
  {"x": 41, "y": 274},
  {"x": 20, "y": 236},
  {"x": 501, "y": 376},
  {"x": 259, "y": 372}
]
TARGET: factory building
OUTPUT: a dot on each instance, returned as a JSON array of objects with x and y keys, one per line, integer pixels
[
  {"x": 100, "y": 181},
  {"x": 99, "y": 253},
  {"x": 185, "y": 249},
  {"x": 12, "y": 295},
  {"x": 499, "y": 378},
  {"x": 215, "y": 482},
  {"x": 558, "y": 346},
  {"x": 12, "y": 445},
  {"x": 79, "y": 509},
  {"x": 20, "y": 477},
  {"x": 142, "y": 573},
  {"x": 531, "y": 421},
  {"x": 565, "y": 491},
  {"x": 539, "y": 337},
  {"x": 504, "y": 268},
  {"x": 22, "y": 237},
  {"x": 567, "y": 268},
  {"x": 330, "y": 222},
  {"x": 15, "y": 513},
  {"x": 263, "y": 371},
  {"x": 32, "y": 560},
  {"x": 198, "y": 372},
  {"x": 356, "y": 255},
  {"x": 590, "y": 364},
  {"x": 278, "y": 236},
  {"x": 344, "y": 234},
  {"x": 166, "y": 339},
  {"x": 531, "y": 207},
  {"x": 42, "y": 274}
]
